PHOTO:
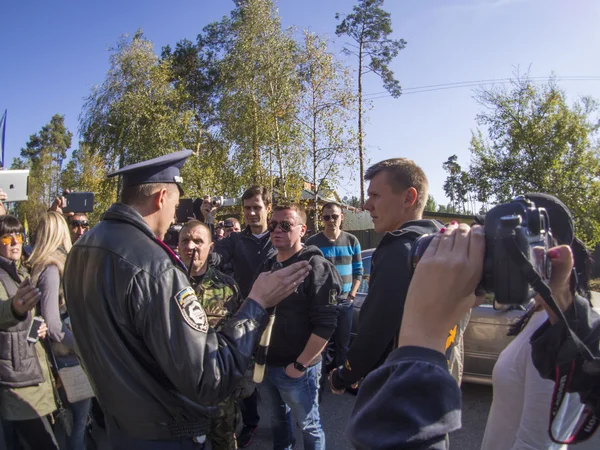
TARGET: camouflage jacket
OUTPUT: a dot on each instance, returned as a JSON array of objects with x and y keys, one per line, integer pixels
[{"x": 219, "y": 295}]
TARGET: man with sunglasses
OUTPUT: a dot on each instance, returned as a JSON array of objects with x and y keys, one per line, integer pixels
[
  {"x": 78, "y": 222},
  {"x": 304, "y": 321},
  {"x": 78, "y": 225},
  {"x": 343, "y": 251}
]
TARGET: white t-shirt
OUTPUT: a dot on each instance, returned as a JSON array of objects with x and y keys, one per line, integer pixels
[{"x": 520, "y": 411}]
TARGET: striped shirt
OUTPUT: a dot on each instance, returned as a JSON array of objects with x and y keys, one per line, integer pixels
[{"x": 344, "y": 254}]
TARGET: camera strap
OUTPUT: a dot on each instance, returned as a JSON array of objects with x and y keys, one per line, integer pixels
[{"x": 566, "y": 366}]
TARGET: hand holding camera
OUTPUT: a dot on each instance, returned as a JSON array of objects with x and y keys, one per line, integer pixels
[
  {"x": 443, "y": 286},
  {"x": 208, "y": 210}
]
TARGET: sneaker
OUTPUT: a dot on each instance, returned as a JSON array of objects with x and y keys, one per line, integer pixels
[{"x": 245, "y": 437}]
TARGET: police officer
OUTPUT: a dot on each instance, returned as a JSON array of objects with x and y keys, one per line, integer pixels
[
  {"x": 156, "y": 365},
  {"x": 220, "y": 298}
]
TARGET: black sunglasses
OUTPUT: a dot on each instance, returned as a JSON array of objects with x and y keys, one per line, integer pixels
[
  {"x": 333, "y": 217},
  {"x": 284, "y": 225},
  {"x": 79, "y": 223}
]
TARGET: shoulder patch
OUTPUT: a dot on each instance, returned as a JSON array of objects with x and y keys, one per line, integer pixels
[
  {"x": 333, "y": 297},
  {"x": 191, "y": 310}
]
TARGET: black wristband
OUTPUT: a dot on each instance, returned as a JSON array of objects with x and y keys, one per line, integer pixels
[{"x": 299, "y": 367}]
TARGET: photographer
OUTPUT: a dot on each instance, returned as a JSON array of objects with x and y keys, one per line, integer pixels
[
  {"x": 522, "y": 398},
  {"x": 412, "y": 401}
]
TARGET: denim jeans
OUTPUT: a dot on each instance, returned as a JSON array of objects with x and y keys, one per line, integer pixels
[
  {"x": 80, "y": 411},
  {"x": 342, "y": 332},
  {"x": 283, "y": 393}
]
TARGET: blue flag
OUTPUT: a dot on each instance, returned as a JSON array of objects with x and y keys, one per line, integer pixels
[{"x": 2, "y": 135}]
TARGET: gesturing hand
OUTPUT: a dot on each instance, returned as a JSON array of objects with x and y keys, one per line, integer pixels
[
  {"x": 272, "y": 287},
  {"x": 25, "y": 298}
]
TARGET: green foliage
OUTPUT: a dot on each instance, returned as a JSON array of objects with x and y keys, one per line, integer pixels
[
  {"x": 536, "y": 142},
  {"x": 86, "y": 172},
  {"x": 431, "y": 204},
  {"x": 369, "y": 26},
  {"x": 259, "y": 90},
  {"x": 43, "y": 156},
  {"x": 459, "y": 187},
  {"x": 136, "y": 113},
  {"x": 323, "y": 115}
]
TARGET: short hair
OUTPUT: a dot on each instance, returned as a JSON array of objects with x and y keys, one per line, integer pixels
[
  {"x": 253, "y": 191},
  {"x": 404, "y": 174},
  {"x": 300, "y": 211},
  {"x": 139, "y": 193},
  {"x": 331, "y": 205},
  {"x": 234, "y": 221},
  {"x": 10, "y": 224},
  {"x": 193, "y": 223}
]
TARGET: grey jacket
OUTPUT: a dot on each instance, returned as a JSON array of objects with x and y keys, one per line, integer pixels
[{"x": 155, "y": 365}]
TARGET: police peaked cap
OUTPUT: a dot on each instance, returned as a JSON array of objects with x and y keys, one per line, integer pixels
[
  {"x": 164, "y": 169},
  {"x": 561, "y": 219}
]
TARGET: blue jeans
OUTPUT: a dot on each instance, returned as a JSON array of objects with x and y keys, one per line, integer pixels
[
  {"x": 80, "y": 411},
  {"x": 342, "y": 332},
  {"x": 299, "y": 395}
]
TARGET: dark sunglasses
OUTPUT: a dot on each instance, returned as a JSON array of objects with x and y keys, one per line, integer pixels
[
  {"x": 284, "y": 226},
  {"x": 80, "y": 223},
  {"x": 8, "y": 238},
  {"x": 333, "y": 217}
]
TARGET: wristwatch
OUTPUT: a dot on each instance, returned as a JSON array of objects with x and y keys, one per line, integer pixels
[
  {"x": 350, "y": 297},
  {"x": 299, "y": 367}
]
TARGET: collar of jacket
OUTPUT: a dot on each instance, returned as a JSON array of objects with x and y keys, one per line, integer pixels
[
  {"x": 125, "y": 213},
  {"x": 247, "y": 233},
  {"x": 10, "y": 267},
  {"x": 411, "y": 229}
]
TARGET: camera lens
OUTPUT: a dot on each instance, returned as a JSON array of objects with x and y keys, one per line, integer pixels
[{"x": 418, "y": 249}]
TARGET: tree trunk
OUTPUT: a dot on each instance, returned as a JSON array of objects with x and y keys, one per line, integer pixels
[
  {"x": 360, "y": 135},
  {"x": 279, "y": 155},
  {"x": 315, "y": 181}
]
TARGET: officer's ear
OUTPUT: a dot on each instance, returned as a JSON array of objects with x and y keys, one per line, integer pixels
[{"x": 159, "y": 198}]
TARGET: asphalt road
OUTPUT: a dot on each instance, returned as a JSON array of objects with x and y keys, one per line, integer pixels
[{"x": 336, "y": 409}]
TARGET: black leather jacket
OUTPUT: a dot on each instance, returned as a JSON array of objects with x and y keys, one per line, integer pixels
[{"x": 144, "y": 341}]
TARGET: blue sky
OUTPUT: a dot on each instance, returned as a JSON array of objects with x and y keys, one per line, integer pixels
[{"x": 54, "y": 52}]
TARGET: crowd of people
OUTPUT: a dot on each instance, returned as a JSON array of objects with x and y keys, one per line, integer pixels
[{"x": 164, "y": 347}]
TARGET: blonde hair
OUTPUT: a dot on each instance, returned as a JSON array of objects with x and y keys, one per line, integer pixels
[{"x": 51, "y": 234}]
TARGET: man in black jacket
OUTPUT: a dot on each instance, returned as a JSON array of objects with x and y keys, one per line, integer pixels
[
  {"x": 245, "y": 252},
  {"x": 304, "y": 321},
  {"x": 156, "y": 366},
  {"x": 397, "y": 193}
]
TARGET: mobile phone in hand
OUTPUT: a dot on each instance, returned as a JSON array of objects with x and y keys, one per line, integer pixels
[{"x": 36, "y": 323}]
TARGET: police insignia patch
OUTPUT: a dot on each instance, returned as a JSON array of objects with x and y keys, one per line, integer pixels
[
  {"x": 191, "y": 310},
  {"x": 333, "y": 297}
]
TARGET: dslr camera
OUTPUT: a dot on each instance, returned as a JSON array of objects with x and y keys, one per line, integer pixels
[{"x": 518, "y": 223}]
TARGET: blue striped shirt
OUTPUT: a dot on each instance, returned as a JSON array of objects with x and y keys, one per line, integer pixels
[{"x": 344, "y": 254}]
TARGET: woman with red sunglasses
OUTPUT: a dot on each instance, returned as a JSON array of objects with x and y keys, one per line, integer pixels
[{"x": 26, "y": 393}]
